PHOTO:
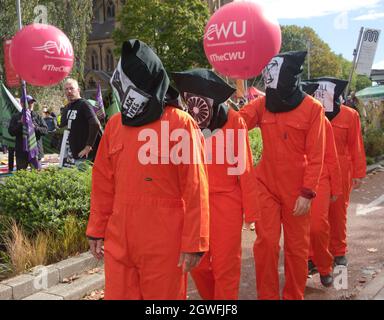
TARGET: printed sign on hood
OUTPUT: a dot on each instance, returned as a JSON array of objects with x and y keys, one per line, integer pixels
[
  {"x": 328, "y": 93},
  {"x": 140, "y": 83},
  {"x": 282, "y": 81},
  {"x": 204, "y": 92}
]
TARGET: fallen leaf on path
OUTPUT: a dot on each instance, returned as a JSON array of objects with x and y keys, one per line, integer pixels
[{"x": 372, "y": 250}]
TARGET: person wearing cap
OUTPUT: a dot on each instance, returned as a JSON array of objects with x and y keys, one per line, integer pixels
[
  {"x": 231, "y": 190},
  {"x": 81, "y": 121},
  {"x": 330, "y": 188},
  {"x": 350, "y": 149},
  {"x": 150, "y": 207},
  {"x": 16, "y": 129},
  {"x": 287, "y": 176}
]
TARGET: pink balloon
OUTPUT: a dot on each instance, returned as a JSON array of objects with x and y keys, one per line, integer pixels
[
  {"x": 41, "y": 54},
  {"x": 240, "y": 40}
]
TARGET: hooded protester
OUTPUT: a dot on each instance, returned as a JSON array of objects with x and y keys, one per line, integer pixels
[
  {"x": 231, "y": 192},
  {"x": 287, "y": 176},
  {"x": 350, "y": 149},
  {"x": 151, "y": 210},
  {"x": 330, "y": 187}
]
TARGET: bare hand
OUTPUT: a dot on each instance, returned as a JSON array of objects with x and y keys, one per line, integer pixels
[
  {"x": 357, "y": 182},
  {"x": 84, "y": 153},
  {"x": 96, "y": 247},
  {"x": 251, "y": 226},
  {"x": 188, "y": 261},
  {"x": 334, "y": 198},
  {"x": 302, "y": 206}
]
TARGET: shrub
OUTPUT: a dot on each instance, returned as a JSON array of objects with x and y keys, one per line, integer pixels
[
  {"x": 22, "y": 252},
  {"x": 374, "y": 142},
  {"x": 41, "y": 200},
  {"x": 256, "y": 144}
]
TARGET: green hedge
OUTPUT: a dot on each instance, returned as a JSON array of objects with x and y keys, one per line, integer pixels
[{"x": 41, "y": 200}]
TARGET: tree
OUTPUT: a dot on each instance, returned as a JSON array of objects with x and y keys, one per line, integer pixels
[
  {"x": 322, "y": 61},
  {"x": 72, "y": 17},
  {"x": 173, "y": 28}
]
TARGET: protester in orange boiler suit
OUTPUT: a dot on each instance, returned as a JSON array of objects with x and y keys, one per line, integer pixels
[
  {"x": 350, "y": 148},
  {"x": 231, "y": 186},
  {"x": 330, "y": 187},
  {"x": 152, "y": 215},
  {"x": 287, "y": 176}
]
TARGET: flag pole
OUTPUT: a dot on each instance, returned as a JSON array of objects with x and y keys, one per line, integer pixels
[
  {"x": 23, "y": 84},
  {"x": 355, "y": 54}
]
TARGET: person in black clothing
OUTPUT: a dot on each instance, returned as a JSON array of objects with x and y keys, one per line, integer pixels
[
  {"x": 82, "y": 122},
  {"x": 16, "y": 129}
]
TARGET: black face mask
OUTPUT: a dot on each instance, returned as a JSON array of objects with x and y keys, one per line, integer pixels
[
  {"x": 328, "y": 93},
  {"x": 205, "y": 93},
  {"x": 281, "y": 78},
  {"x": 141, "y": 83},
  {"x": 309, "y": 87}
]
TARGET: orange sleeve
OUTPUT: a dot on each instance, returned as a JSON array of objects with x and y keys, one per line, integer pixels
[
  {"x": 356, "y": 148},
  {"x": 331, "y": 160},
  {"x": 193, "y": 179},
  {"x": 314, "y": 148},
  {"x": 247, "y": 179},
  {"x": 252, "y": 112},
  {"x": 102, "y": 195}
]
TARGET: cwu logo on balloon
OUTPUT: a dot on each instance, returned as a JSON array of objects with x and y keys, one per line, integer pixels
[{"x": 57, "y": 51}]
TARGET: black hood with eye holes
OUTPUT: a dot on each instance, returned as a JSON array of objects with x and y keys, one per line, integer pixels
[
  {"x": 309, "y": 87},
  {"x": 328, "y": 93},
  {"x": 141, "y": 83},
  {"x": 282, "y": 81},
  {"x": 205, "y": 84}
]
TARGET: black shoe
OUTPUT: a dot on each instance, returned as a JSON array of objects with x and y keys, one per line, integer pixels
[
  {"x": 311, "y": 268},
  {"x": 327, "y": 280},
  {"x": 340, "y": 261}
]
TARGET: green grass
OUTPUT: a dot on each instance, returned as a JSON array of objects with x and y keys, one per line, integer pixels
[{"x": 256, "y": 144}]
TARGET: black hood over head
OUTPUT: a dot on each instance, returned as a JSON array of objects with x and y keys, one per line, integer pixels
[
  {"x": 328, "y": 93},
  {"x": 309, "y": 87},
  {"x": 282, "y": 81},
  {"x": 141, "y": 83},
  {"x": 204, "y": 93}
]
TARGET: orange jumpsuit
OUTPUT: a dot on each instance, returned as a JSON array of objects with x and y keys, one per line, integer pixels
[
  {"x": 292, "y": 160},
  {"x": 148, "y": 213},
  {"x": 218, "y": 274},
  {"x": 350, "y": 148},
  {"x": 329, "y": 185}
]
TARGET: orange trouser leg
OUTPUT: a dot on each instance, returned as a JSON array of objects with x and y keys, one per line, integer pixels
[
  {"x": 121, "y": 281},
  {"x": 296, "y": 249},
  {"x": 338, "y": 227},
  {"x": 338, "y": 214},
  {"x": 223, "y": 262},
  {"x": 266, "y": 248},
  {"x": 150, "y": 282},
  {"x": 203, "y": 277},
  {"x": 320, "y": 233}
]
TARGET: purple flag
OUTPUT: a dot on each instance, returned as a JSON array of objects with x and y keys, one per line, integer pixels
[
  {"x": 99, "y": 106},
  {"x": 29, "y": 137}
]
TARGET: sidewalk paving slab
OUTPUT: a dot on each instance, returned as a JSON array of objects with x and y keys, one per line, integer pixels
[
  {"x": 43, "y": 296},
  {"x": 374, "y": 290},
  {"x": 79, "y": 288},
  {"x": 76, "y": 265},
  {"x": 22, "y": 286},
  {"x": 5, "y": 292}
]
